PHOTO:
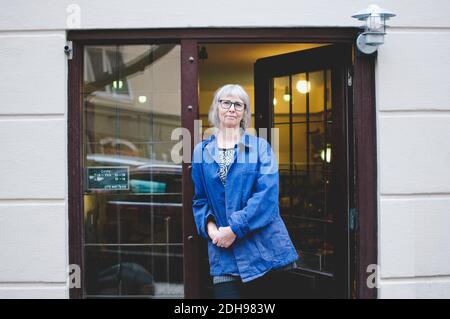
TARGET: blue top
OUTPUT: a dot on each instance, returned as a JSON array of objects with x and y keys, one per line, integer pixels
[{"x": 248, "y": 203}]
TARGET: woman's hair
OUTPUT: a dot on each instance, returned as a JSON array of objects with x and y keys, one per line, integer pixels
[{"x": 230, "y": 90}]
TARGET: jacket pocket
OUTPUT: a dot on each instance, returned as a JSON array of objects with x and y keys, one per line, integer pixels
[
  {"x": 264, "y": 248},
  {"x": 274, "y": 244}
]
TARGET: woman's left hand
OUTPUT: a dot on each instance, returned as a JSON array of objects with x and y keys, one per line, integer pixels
[{"x": 226, "y": 237}]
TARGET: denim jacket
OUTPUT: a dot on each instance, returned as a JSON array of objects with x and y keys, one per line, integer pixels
[{"x": 248, "y": 203}]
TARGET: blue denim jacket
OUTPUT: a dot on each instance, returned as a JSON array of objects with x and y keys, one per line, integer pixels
[{"x": 248, "y": 203}]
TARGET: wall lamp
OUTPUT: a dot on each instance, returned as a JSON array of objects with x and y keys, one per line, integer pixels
[{"x": 374, "y": 29}]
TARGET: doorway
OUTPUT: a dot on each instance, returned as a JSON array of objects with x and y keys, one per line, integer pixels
[
  {"x": 298, "y": 91},
  {"x": 336, "y": 246}
]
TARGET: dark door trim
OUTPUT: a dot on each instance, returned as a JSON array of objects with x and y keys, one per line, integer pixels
[
  {"x": 189, "y": 97},
  {"x": 363, "y": 125},
  {"x": 75, "y": 184},
  {"x": 365, "y": 168},
  {"x": 217, "y": 35}
]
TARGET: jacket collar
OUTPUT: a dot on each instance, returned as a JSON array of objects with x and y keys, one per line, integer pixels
[
  {"x": 211, "y": 145},
  {"x": 211, "y": 142}
]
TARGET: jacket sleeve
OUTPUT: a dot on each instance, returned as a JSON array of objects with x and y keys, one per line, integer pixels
[
  {"x": 262, "y": 207},
  {"x": 202, "y": 211}
]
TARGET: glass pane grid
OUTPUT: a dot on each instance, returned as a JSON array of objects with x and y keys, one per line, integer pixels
[{"x": 305, "y": 164}]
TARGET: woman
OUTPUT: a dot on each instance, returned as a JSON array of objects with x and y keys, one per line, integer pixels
[{"x": 235, "y": 204}]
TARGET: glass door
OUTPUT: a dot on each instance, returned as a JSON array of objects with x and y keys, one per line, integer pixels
[
  {"x": 132, "y": 189},
  {"x": 302, "y": 96}
]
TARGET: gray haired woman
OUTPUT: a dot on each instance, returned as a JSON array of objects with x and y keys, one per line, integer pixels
[{"x": 235, "y": 204}]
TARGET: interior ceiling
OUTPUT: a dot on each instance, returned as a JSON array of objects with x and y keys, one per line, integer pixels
[
  {"x": 246, "y": 53},
  {"x": 233, "y": 63}
]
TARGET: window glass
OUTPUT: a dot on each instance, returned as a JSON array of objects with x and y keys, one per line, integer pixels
[{"x": 132, "y": 187}]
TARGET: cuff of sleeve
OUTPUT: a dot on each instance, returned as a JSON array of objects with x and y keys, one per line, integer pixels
[
  {"x": 209, "y": 216},
  {"x": 237, "y": 225}
]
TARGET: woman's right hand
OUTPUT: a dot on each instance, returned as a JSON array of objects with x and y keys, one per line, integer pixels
[
  {"x": 212, "y": 231},
  {"x": 226, "y": 237},
  {"x": 222, "y": 237}
]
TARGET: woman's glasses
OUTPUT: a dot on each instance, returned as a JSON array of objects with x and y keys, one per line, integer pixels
[{"x": 226, "y": 104}]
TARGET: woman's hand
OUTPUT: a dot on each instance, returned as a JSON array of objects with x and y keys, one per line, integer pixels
[
  {"x": 212, "y": 231},
  {"x": 225, "y": 237},
  {"x": 222, "y": 237}
]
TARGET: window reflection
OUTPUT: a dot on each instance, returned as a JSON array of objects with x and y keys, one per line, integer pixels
[{"x": 133, "y": 236}]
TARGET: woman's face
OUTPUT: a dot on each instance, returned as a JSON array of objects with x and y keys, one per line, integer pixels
[{"x": 230, "y": 118}]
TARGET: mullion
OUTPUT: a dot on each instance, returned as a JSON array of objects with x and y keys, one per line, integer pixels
[
  {"x": 325, "y": 142},
  {"x": 116, "y": 71},
  {"x": 307, "y": 131},
  {"x": 325, "y": 148},
  {"x": 299, "y": 122},
  {"x": 291, "y": 154}
]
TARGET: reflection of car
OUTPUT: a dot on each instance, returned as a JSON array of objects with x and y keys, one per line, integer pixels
[
  {"x": 142, "y": 226},
  {"x": 110, "y": 145}
]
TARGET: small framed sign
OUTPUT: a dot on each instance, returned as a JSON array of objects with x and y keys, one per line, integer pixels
[{"x": 108, "y": 178}]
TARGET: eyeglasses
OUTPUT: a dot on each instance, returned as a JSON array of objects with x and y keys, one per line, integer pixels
[{"x": 226, "y": 104}]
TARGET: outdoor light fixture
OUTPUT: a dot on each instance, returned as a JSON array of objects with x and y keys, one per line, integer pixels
[{"x": 374, "y": 29}]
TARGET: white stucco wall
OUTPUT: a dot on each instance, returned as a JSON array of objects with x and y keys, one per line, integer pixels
[{"x": 413, "y": 104}]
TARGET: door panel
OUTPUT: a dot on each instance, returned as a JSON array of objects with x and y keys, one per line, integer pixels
[
  {"x": 302, "y": 94},
  {"x": 132, "y": 192}
]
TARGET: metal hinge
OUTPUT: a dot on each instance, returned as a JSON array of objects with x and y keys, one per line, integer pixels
[
  {"x": 349, "y": 78},
  {"x": 68, "y": 50},
  {"x": 352, "y": 219}
]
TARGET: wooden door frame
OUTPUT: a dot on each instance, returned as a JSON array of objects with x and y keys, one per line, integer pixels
[{"x": 363, "y": 128}]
